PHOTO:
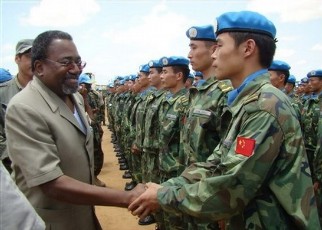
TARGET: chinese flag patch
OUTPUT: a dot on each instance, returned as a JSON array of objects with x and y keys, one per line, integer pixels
[{"x": 245, "y": 146}]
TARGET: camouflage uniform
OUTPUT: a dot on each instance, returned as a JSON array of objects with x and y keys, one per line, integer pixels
[
  {"x": 151, "y": 145},
  {"x": 173, "y": 110},
  {"x": 318, "y": 164},
  {"x": 202, "y": 130},
  {"x": 311, "y": 117},
  {"x": 93, "y": 101},
  {"x": 8, "y": 89},
  {"x": 139, "y": 132},
  {"x": 128, "y": 138},
  {"x": 258, "y": 176}
]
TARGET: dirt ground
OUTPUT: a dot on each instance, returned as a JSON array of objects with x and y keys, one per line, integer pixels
[{"x": 112, "y": 218}]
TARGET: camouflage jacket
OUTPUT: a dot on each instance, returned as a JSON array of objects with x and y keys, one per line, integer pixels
[
  {"x": 140, "y": 117},
  {"x": 152, "y": 125},
  {"x": 310, "y": 119},
  {"x": 202, "y": 130},
  {"x": 8, "y": 89},
  {"x": 318, "y": 150},
  {"x": 258, "y": 176},
  {"x": 94, "y": 103},
  {"x": 172, "y": 114}
]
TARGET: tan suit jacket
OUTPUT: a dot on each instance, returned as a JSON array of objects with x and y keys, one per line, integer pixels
[{"x": 45, "y": 141}]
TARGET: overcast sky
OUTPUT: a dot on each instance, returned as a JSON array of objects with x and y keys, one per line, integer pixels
[{"x": 116, "y": 37}]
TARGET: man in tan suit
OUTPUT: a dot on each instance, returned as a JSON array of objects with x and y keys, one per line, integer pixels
[{"x": 50, "y": 141}]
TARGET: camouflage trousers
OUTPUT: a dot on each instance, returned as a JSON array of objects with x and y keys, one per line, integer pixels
[
  {"x": 136, "y": 167},
  {"x": 150, "y": 166},
  {"x": 98, "y": 152}
]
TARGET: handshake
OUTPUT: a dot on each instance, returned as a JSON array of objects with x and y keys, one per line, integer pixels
[{"x": 144, "y": 199}]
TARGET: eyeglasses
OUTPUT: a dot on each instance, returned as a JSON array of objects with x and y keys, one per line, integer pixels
[{"x": 69, "y": 63}]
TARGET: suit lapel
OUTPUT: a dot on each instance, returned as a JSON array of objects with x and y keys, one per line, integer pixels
[{"x": 58, "y": 105}]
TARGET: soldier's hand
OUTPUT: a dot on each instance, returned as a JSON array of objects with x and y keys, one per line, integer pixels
[
  {"x": 316, "y": 186},
  {"x": 147, "y": 202},
  {"x": 135, "y": 149}
]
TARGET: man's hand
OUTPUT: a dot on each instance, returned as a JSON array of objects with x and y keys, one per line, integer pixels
[
  {"x": 137, "y": 191},
  {"x": 135, "y": 150},
  {"x": 147, "y": 202}
]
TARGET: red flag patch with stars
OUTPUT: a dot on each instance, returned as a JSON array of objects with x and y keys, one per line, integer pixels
[{"x": 245, "y": 146}]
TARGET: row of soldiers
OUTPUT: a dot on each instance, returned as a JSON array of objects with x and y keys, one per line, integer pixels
[{"x": 161, "y": 127}]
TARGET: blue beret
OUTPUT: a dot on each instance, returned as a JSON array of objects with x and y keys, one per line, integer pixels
[
  {"x": 291, "y": 79},
  {"x": 121, "y": 82},
  {"x": 191, "y": 76},
  {"x": 204, "y": 33},
  {"x": 155, "y": 64},
  {"x": 305, "y": 80},
  {"x": 111, "y": 85},
  {"x": 145, "y": 68},
  {"x": 198, "y": 74},
  {"x": 315, "y": 73},
  {"x": 4, "y": 75},
  {"x": 174, "y": 61},
  {"x": 132, "y": 77},
  {"x": 279, "y": 65},
  {"x": 126, "y": 78},
  {"x": 119, "y": 78},
  {"x": 245, "y": 21},
  {"x": 84, "y": 78}
]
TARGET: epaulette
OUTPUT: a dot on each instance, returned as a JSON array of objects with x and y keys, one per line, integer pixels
[
  {"x": 225, "y": 86},
  {"x": 251, "y": 107},
  {"x": 252, "y": 98}
]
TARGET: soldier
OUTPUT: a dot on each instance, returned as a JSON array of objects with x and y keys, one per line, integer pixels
[
  {"x": 243, "y": 183},
  {"x": 289, "y": 86},
  {"x": 10, "y": 88},
  {"x": 311, "y": 117},
  {"x": 151, "y": 144},
  {"x": 306, "y": 92},
  {"x": 129, "y": 102},
  {"x": 175, "y": 71},
  {"x": 140, "y": 112},
  {"x": 279, "y": 74},
  {"x": 198, "y": 78},
  {"x": 189, "y": 82},
  {"x": 93, "y": 110},
  {"x": 202, "y": 130}
]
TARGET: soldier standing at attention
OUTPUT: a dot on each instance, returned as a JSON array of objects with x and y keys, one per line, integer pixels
[
  {"x": 10, "y": 88},
  {"x": 95, "y": 121},
  {"x": 202, "y": 130},
  {"x": 279, "y": 74},
  {"x": 306, "y": 93},
  {"x": 137, "y": 147},
  {"x": 311, "y": 117},
  {"x": 175, "y": 71},
  {"x": 243, "y": 183}
]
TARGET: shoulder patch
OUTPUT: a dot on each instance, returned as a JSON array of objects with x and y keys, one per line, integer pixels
[{"x": 225, "y": 86}]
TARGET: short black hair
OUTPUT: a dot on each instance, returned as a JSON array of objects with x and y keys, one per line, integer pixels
[
  {"x": 42, "y": 42},
  {"x": 184, "y": 69},
  {"x": 265, "y": 44}
]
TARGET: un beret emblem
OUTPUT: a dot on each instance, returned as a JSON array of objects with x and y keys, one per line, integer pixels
[
  {"x": 193, "y": 32},
  {"x": 151, "y": 63},
  {"x": 165, "y": 61}
]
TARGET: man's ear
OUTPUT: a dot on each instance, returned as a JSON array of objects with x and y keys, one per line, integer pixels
[{"x": 249, "y": 47}]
